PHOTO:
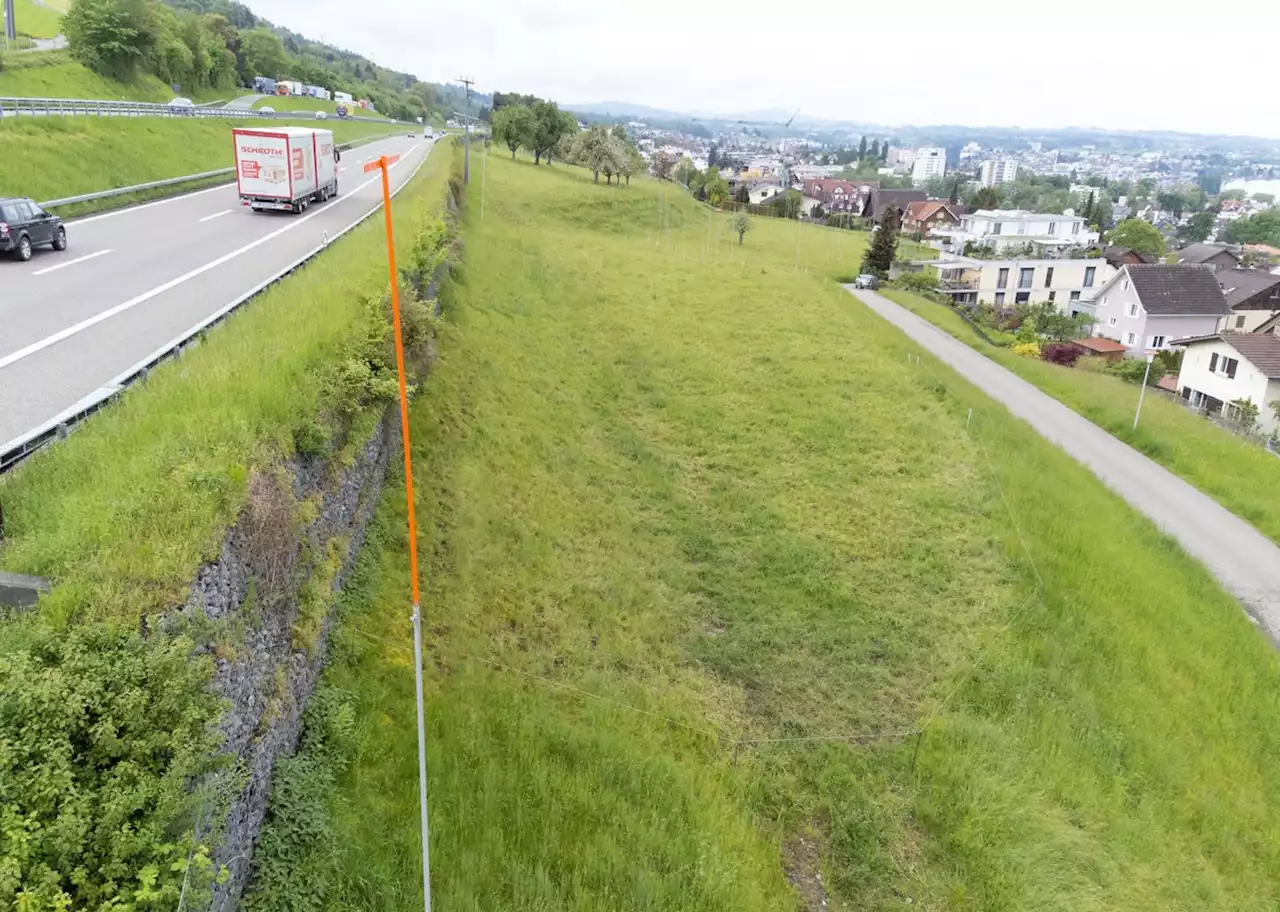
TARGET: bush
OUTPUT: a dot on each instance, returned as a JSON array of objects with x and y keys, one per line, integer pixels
[
  {"x": 1027, "y": 349},
  {"x": 1061, "y": 353},
  {"x": 1133, "y": 370},
  {"x": 310, "y": 439},
  {"x": 918, "y": 282}
]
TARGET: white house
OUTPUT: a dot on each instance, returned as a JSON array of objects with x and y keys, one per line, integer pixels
[
  {"x": 1221, "y": 368},
  {"x": 1148, "y": 307},
  {"x": 1069, "y": 284},
  {"x": 930, "y": 161},
  {"x": 1001, "y": 229}
]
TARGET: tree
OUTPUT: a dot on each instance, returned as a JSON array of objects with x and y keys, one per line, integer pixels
[
  {"x": 1266, "y": 198},
  {"x": 1263, "y": 228},
  {"x": 590, "y": 149},
  {"x": 884, "y": 151},
  {"x": 741, "y": 223},
  {"x": 954, "y": 198},
  {"x": 263, "y": 53},
  {"x": 111, "y": 37},
  {"x": 514, "y": 125},
  {"x": 712, "y": 156},
  {"x": 1138, "y": 235},
  {"x": 1088, "y": 206},
  {"x": 987, "y": 198},
  {"x": 1245, "y": 413},
  {"x": 743, "y": 195},
  {"x": 632, "y": 163},
  {"x": 874, "y": 151},
  {"x": 884, "y": 245},
  {"x": 716, "y": 186},
  {"x": 1198, "y": 227},
  {"x": 1235, "y": 194},
  {"x": 862, "y": 149},
  {"x": 614, "y": 158},
  {"x": 550, "y": 123},
  {"x": 685, "y": 171},
  {"x": 662, "y": 164}
]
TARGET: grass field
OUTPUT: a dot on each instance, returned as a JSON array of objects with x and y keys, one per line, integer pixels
[
  {"x": 1241, "y": 476},
  {"x": 54, "y": 157},
  {"x": 303, "y": 103},
  {"x": 693, "y": 530},
  {"x": 53, "y": 74},
  {"x": 35, "y": 20}
]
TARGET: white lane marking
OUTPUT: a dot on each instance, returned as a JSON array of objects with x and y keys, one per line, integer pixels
[
  {"x": 70, "y": 331},
  {"x": 161, "y": 202},
  {"x": 343, "y": 168},
  {"x": 87, "y": 256},
  {"x": 209, "y": 218}
]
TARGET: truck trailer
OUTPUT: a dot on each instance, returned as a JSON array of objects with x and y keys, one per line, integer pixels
[{"x": 285, "y": 168}]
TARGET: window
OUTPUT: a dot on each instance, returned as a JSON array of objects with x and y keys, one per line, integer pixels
[
  {"x": 1002, "y": 280},
  {"x": 1133, "y": 310},
  {"x": 1026, "y": 276},
  {"x": 26, "y": 211},
  {"x": 1130, "y": 339},
  {"x": 1052, "y": 294},
  {"x": 1075, "y": 296},
  {"x": 1088, "y": 275},
  {"x": 9, "y": 213},
  {"x": 1053, "y": 228},
  {"x": 1022, "y": 297},
  {"x": 1157, "y": 342},
  {"x": 999, "y": 297},
  {"x": 1111, "y": 321},
  {"x": 1048, "y": 278},
  {"x": 1229, "y": 366},
  {"x": 995, "y": 228},
  {"x": 1213, "y": 362},
  {"x": 1126, "y": 285},
  {"x": 1239, "y": 321}
]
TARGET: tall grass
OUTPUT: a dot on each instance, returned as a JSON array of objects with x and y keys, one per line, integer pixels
[
  {"x": 1241, "y": 476},
  {"x": 54, "y": 157},
  {"x": 694, "y": 533}
]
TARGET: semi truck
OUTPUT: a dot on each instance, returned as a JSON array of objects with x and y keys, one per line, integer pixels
[{"x": 285, "y": 168}]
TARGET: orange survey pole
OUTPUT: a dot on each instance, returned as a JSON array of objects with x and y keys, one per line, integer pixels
[{"x": 383, "y": 163}]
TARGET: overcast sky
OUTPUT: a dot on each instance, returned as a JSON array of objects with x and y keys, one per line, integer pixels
[{"x": 1124, "y": 65}]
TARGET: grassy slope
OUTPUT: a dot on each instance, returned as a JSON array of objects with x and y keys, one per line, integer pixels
[
  {"x": 36, "y": 20},
  {"x": 303, "y": 103},
  {"x": 179, "y": 448},
  {"x": 53, "y": 74},
  {"x": 51, "y": 157},
  {"x": 685, "y": 478},
  {"x": 1242, "y": 477}
]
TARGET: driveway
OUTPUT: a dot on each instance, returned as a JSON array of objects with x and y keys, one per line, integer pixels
[{"x": 1245, "y": 562}]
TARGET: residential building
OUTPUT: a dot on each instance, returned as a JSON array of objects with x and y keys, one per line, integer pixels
[
  {"x": 1123, "y": 256},
  {"x": 764, "y": 192},
  {"x": 930, "y": 161},
  {"x": 1208, "y": 255},
  {"x": 922, "y": 217},
  {"x": 1221, "y": 368},
  {"x": 998, "y": 171},
  {"x": 1252, "y": 295},
  {"x": 880, "y": 199},
  {"x": 840, "y": 195},
  {"x": 1147, "y": 307},
  {"x": 1003, "y": 229},
  {"x": 1067, "y": 284}
]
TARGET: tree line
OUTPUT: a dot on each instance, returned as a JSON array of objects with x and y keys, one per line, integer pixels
[
  {"x": 218, "y": 45},
  {"x": 545, "y": 132}
]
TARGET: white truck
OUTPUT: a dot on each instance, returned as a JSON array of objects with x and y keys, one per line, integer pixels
[{"x": 285, "y": 168}]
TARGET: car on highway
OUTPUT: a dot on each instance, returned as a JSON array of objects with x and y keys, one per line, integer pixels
[
  {"x": 322, "y": 115},
  {"x": 266, "y": 109},
  {"x": 867, "y": 280},
  {"x": 182, "y": 105},
  {"x": 25, "y": 226}
]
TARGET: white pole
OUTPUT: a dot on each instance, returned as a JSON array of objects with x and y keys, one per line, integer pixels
[
  {"x": 422, "y": 759},
  {"x": 1145, "y": 377},
  {"x": 484, "y": 169}
]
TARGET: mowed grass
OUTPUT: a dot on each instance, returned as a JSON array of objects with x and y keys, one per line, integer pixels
[
  {"x": 306, "y": 103},
  {"x": 35, "y": 20},
  {"x": 54, "y": 74},
  {"x": 1241, "y": 476},
  {"x": 694, "y": 533},
  {"x": 122, "y": 515},
  {"x": 55, "y": 157}
]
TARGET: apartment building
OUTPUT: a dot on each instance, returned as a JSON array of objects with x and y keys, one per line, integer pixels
[
  {"x": 1068, "y": 284},
  {"x": 930, "y": 161},
  {"x": 996, "y": 171},
  {"x": 1001, "y": 230}
]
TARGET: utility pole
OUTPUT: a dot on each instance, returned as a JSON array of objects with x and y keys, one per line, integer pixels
[
  {"x": 10, "y": 27},
  {"x": 466, "y": 130}
]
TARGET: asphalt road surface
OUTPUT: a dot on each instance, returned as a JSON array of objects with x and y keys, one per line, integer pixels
[
  {"x": 1245, "y": 562},
  {"x": 133, "y": 280}
]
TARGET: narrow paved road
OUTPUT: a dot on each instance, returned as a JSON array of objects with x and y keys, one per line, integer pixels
[
  {"x": 244, "y": 102},
  {"x": 1244, "y": 561}
]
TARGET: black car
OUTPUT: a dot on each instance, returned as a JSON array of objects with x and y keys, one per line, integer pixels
[{"x": 24, "y": 225}]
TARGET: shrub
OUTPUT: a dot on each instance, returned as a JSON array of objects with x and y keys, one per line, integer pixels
[
  {"x": 1133, "y": 370},
  {"x": 918, "y": 282},
  {"x": 310, "y": 438},
  {"x": 1027, "y": 349},
  {"x": 1061, "y": 353}
]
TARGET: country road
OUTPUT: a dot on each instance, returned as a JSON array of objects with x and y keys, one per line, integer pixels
[
  {"x": 1244, "y": 561},
  {"x": 133, "y": 280}
]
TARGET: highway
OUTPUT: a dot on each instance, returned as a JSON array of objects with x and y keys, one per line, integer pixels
[{"x": 133, "y": 280}]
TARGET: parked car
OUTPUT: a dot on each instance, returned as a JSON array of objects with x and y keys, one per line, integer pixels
[
  {"x": 24, "y": 226},
  {"x": 182, "y": 106},
  {"x": 322, "y": 115},
  {"x": 266, "y": 109},
  {"x": 866, "y": 280}
]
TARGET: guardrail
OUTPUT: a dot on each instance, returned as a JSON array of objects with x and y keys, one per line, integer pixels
[
  {"x": 88, "y": 107},
  {"x": 172, "y": 181},
  {"x": 57, "y": 427}
]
